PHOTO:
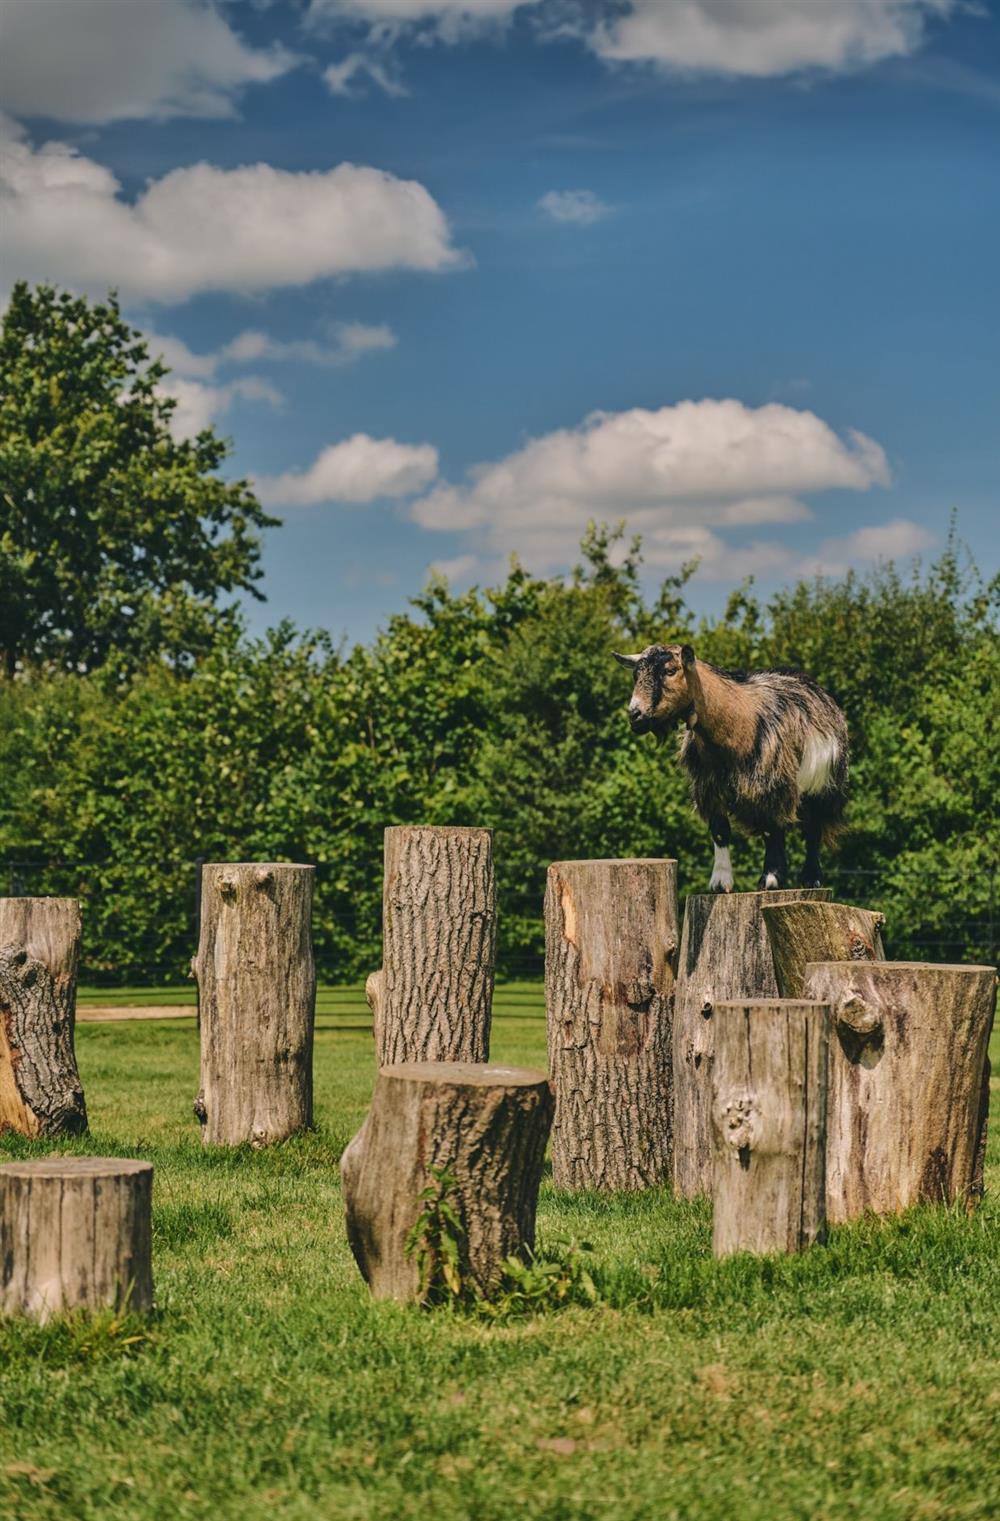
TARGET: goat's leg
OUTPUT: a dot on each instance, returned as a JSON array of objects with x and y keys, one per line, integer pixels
[
  {"x": 775, "y": 871},
  {"x": 722, "y": 868},
  {"x": 811, "y": 874}
]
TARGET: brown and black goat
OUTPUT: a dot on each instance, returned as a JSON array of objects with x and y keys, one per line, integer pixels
[{"x": 766, "y": 749}]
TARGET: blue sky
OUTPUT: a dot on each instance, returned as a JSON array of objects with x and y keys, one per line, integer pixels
[{"x": 724, "y": 268}]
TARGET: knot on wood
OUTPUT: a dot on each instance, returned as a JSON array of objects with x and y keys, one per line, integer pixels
[
  {"x": 200, "y": 1112},
  {"x": 860, "y": 950},
  {"x": 639, "y": 993},
  {"x": 738, "y": 1119},
  {"x": 855, "y": 1015},
  {"x": 226, "y": 885},
  {"x": 263, "y": 877},
  {"x": 706, "y": 1009}
]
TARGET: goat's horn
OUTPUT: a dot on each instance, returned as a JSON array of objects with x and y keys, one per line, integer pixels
[{"x": 628, "y": 661}]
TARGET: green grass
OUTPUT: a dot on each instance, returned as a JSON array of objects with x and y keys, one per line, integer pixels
[{"x": 859, "y": 1380}]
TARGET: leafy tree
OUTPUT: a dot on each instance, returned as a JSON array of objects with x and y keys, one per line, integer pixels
[{"x": 115, "y": 539}]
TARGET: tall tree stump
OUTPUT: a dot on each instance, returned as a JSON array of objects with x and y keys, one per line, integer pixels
[
  {"x": 482, "y": 1129},
  {"x": 610, "y": 953},
  {"x": 724, "y": 955},
  {"x": 257, "y": 993},
  {"x": 909, "y": 1082},
  {"x": 804, "y": 931},
  {"x": 40, "y": 1088},
  {"x": 75, "y": 1235},
  {"x": 769, "y": 1103},
  {"x": 432, "y": 999}
]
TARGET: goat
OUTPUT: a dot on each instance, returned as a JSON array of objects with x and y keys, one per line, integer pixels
[{"x": 765, "y": 748}]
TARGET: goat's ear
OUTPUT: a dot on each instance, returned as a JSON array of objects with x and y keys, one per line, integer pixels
[
  {"x": 628, "y": 661},
  {"x": 687, "y": 655}
]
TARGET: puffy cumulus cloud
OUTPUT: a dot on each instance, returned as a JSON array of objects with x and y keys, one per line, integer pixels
[
  {"x": 762, "y": 37},
  {"x": 680, "y": 476},
  {"x": 105, "y": 60},
  {"x": 360, "y": 469},
  {"x": 580, "y": 206},
  {"x": 198, "y": 404},
  {"x": 895, "y": 540},
  {"x": 202, "y": 228}
]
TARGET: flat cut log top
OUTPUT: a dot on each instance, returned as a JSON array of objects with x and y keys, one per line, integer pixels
[
  {"x": 260, "y": 866},
  {"x": 75, "y": 1167},
  {"x": 465, "y": 1074}
]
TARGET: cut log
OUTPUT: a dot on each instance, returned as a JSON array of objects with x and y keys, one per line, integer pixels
[
  {"x": 769, "y": 1101},
  {"x": 479, "y": 1130},
  {"x": 75, "y": 1235},
  {"x": 804, "y": 931},
  {"x": 724, "y": 955},
  {"x": 257, "y": 995},
  {"x": 432, "y": 999},
  {"x": 610, "y": 954},
  {"x": 40, "y": 1088},
  {"x": 908, "y": 1066}
]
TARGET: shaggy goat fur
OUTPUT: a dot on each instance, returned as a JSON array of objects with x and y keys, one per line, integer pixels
[{"x": 764, "y": 748}]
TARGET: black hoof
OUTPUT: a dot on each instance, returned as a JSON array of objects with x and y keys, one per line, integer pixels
[{"x": 807, "y": 881}]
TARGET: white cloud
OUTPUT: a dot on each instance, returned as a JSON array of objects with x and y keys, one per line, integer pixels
[
  {"x": 458, "y": 568},
  {"x": 895, "y": 540},
  {"x": 360, "y": 469},
  {"x": 340, "y": 77},
  {"x": 580, "y": 206},
  {"x": 678, "y": 475},
  {"x": 451, "y": 19},
  {"x": 763, "y": 37},
  {"x": 113, "y": 60},
  {"x": 350, "y": 341},
  {"x": 201, "y": 228},
  {"x": 199, "y": 405},
  {"x": 758, "y": 38}
]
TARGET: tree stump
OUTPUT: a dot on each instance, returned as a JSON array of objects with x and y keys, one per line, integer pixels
[
  {"x": 724, "y": 955},
  {"x": 40, "y": 1088},
  {"x": 481, "y": 1129},
  {"x": 432, "y": 999},
  {"x": 75, "y": 1235},
  {"x": 769, "y": 1101},
  {"x": 804, "y": 931},
  {"x": 908, "y": 1073},
  {"x": 610, "y": 954},
  {"x": 257, "y": 993}
]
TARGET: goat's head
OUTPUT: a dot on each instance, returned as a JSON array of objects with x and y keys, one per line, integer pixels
[{"x": 661, "y": 695}]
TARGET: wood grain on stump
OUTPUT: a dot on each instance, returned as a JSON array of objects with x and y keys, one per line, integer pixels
[
  {"x": 769, "y": 1105},
  {"x": 806, "y": 930},
  {"x": 257, "y": 995},
  {"x": 610, "y": 953},
  {"x": 908, "y": 1075},
  {"x": 485, "y": 1125},
  {"x": 40, "y": 1088},
  {"x": 432, "y": 998},
  {"x": 75, "y": 1235},
  {"x": 724, "y": 955}
]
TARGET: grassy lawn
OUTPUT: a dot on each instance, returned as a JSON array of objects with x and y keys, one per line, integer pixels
[{"x": 860, "y": 1380}]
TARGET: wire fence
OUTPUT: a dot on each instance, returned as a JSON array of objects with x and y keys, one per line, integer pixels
[{"x": 141, "y": 918}]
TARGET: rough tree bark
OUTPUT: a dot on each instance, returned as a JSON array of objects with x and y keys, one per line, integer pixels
[
  {"x": 40, "y": 1088},
  {"x": 257, "y": 993},
  {"x": 804, "y": 931},
  {"x": 75, "y": 1234},
  {"x": 610, "y": 954},
  {"x": 486, "y": 1126},
  {"x": 908, "y": 1069},
  {"x": 769, "y": 1101},
  {"x": 724, "y": 955},
  {"x": 432, "y": 998}
]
